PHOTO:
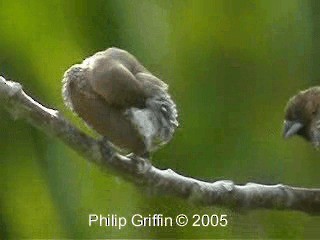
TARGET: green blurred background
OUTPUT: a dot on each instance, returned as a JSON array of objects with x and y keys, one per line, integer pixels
[{"x": 231, "y": 66}]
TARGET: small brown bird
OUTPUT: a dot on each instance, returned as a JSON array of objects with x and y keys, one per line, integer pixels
[
  {"x": 302, "y": 116},
  {"x": 120, "y": 99}
]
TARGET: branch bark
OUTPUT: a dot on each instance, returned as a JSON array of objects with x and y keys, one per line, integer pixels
[{"x": 141, "y": 172}]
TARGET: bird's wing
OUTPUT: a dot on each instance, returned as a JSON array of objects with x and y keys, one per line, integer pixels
[
  {"x": 151, "y": 84},
  {"x": 121, "y": 79},
  {"x": 116, "y": 84}
]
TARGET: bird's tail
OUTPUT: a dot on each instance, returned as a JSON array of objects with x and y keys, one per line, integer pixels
[{"x": 166, "y": 114}]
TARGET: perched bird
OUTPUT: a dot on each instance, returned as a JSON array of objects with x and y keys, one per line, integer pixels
[
  {"x": 302, "y": 116},
  {"x": 120, "y": 99}
]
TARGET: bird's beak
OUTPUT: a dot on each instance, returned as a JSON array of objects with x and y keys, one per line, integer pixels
[{"x": 291, "y": 128}]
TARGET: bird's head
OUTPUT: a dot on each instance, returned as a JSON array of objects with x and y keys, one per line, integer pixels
[{"x": 302, "y": 115}]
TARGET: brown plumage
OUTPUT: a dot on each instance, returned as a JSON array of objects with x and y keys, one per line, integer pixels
[
  {"x": 119, "y": 98},
  {"x": 302, "y": 116}
]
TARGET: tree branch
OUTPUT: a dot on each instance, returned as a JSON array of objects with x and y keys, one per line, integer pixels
[{"x": 141, "y": 172}]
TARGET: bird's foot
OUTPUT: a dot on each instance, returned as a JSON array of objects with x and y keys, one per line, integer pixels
[
  {"x": 141, "y": 164},
  {"x": 104, "y": 140},
  {"x": 106, "y": 148},
  {"x": 145, "y": 156}
]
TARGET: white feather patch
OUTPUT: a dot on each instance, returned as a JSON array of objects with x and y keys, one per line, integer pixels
[{"x": 146, "y": 124}]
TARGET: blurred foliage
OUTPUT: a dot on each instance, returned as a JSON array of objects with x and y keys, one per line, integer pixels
[{"x": 231, "y": 66}]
